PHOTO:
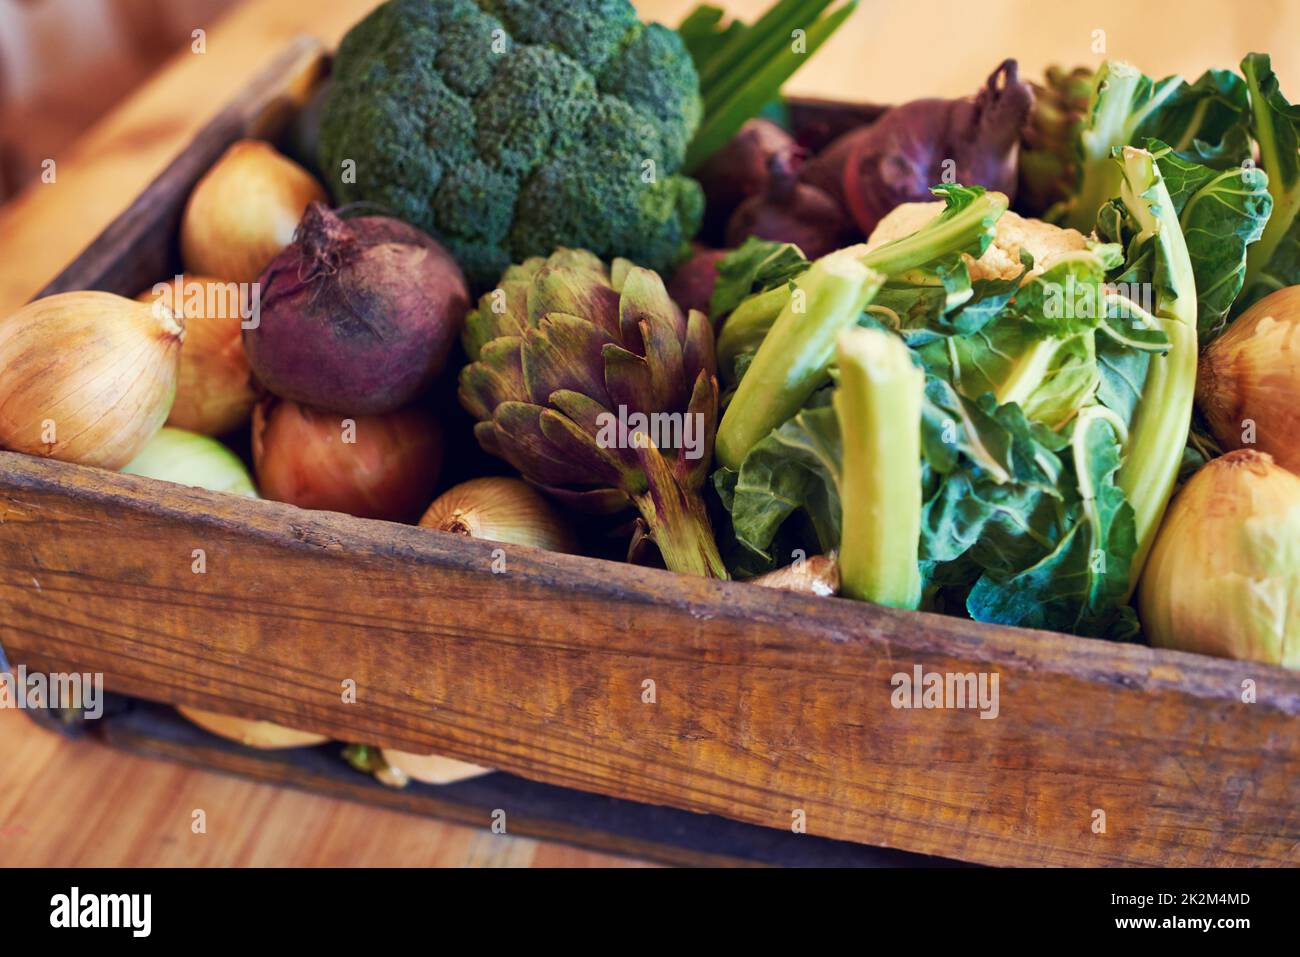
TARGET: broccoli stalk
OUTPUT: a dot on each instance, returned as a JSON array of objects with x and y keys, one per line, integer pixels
[
  {"x": 878, "y": 405},
  {"x": 1122, "y": 100},
  {"x": 748, "y": 324},
  {"x": 1163, "y": 416},
  {"x": 796, "y": 354}
]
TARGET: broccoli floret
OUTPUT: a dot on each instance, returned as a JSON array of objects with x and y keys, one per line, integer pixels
[
  {"x": 589, "y": 32},
  {"x": 655, "y": 219},
  {"x": 655, "y": 79},
  {"x": 506, "y": 128},
  {"x": 536, "y": 106},
  {"x": 472, "y": 43}
]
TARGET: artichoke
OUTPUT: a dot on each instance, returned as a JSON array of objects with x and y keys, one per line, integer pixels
[
  {"x": 1049, "y": 142},
  {"x": 595, "y": 387}
]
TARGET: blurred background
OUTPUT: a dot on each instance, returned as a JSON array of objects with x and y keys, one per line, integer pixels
[{"x": 63, "y": 63}]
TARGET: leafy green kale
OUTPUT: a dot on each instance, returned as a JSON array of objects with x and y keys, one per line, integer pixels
[
  {"x": 756, "y": 266},
  {"x": 1205, "y": 121},
  {"x": 791, "y": 330},
  {"x": 1053, "y": 418},
  {"x": 1081, "y": 586},
  {"x": 1158, "y": 258},
  {"x": 1124, "y": 104},
  {"x": 1203, "y": 136},
  {"x": 795, "y": 356},
  {"x": 508, "y": 128},
  {"x": 1038, "y": 351},
  {"x": 795, "y": 467}
]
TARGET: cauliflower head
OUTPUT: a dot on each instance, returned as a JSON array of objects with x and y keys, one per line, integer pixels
[
  {"x": 508, "y": 128},
  {"x": 1045, "y": 242}
]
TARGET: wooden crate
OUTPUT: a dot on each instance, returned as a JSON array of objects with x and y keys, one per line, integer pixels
[{"x": 768, "y": 707}]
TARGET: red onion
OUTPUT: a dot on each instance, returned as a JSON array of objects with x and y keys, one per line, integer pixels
[{"x": 357, "y": 316}]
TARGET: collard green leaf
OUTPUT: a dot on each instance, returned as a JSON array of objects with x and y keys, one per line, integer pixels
[
  {"x": 925, "y": 305},
  {"x": 1003, "y": 525},
  {"x": 968, "y": 224},
  {"x": 1274, "y": 261},
  {"x": 991, "y": 478},
  {"x": 795, "y": 467},
  {"x": 1221, "y": 213},
  {"x": 997, "y": 440},
  {"x": 1013, "y": 362},
  {"x": 1123, "y": 373},
  {"x": 755, "y": 266},
  {"x": 1123, "y": 101},
  {"x": 1207, "y": 121},
  {"x": 1081, "y": 584}
]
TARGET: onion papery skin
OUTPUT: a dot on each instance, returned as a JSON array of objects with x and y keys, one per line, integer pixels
[
  {"x": 263, "y": 735},
  {"x": 188, "y": 458},
  {"x": 1223, "y": 577},
  {"x": 303, "y": 456},
  {"x": 87, "y": 377},
  {"x": 1248, "y": 381},
  {"x": 431, "y": 768},
  {"x": 499, "y": 510},
  {"x": 244, "y": 211},
  {"x": 214, "y": 391}
]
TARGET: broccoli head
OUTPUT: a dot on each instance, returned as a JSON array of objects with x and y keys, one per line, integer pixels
[{"x": 507, "y": 128}]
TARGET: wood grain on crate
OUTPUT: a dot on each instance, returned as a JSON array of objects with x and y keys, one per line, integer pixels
[
  {"x": 659, "y": 834},
  {"x": 766, "y": 703}
]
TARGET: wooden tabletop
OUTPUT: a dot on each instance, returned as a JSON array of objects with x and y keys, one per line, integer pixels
[{"x": 64, "y": 803}]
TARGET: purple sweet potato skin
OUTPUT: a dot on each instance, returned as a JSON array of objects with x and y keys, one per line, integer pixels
[
  {"x": 358, "y": 316},
  {"x": 973, "y": 141},
  {"x": 791, "y": 211},
  {"x": 738, "y": 171}
]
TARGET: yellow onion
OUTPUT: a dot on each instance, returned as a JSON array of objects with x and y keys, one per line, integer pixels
[
  {"x": 244, "y": 211},
  {"x": 429, "y": 768},
  {"x": 1248, "y": 382},
  {"x": 250, "y": 732},
  {"x": 372, "y": 466},
  {"x": 499, "y": 510},
  {"x": 87, "y": 377},
  {"x": 214, "y": 394},
  {"x": 1224, "y": 575}
]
